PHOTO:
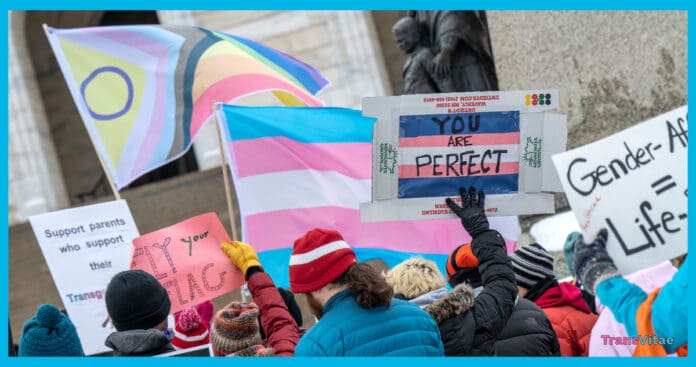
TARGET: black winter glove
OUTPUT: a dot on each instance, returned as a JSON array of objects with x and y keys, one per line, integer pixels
[
  {"x": 592, "y": 263},
  {"x": 472, "y": 211}
]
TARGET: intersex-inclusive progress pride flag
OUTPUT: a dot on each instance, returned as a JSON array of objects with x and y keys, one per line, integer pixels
[
  {"x": 299, "y": 168},
  {"x": 144, "y": 92}
]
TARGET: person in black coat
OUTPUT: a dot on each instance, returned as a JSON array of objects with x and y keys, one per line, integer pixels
[
  {"x": 461, "y": 311},
  {"x": 527, "y": 333}
]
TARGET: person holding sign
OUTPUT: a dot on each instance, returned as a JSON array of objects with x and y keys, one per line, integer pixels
[
  {"x": 282, "y": 332},
  {"x": 606, "y": 326},
  {"x": 527, "y": 333},
  {"x": 655, "y": 322},
  {"x": 138, "y": 306},
  {"x": 468, "y": 323}
]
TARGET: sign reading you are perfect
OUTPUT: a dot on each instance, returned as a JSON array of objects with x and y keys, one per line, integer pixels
[
  {"x": 427, "y": 146},
  {"x": 634, "y": 183}
]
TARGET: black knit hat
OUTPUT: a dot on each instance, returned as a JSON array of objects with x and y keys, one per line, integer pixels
[
  {"x": 136, "y": 300},
  {"x": 532, "y": 264}
]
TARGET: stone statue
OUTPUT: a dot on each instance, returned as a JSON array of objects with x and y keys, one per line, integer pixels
[
  {"x": 419, "y": 71},
  {"x": 449, "y": 51}
]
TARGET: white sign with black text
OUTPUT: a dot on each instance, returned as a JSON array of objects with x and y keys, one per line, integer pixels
[
  {"x": 634, "y": 183},
  {"x": 84, "y": 247}
]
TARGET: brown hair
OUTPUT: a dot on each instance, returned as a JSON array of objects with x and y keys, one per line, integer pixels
[{"x": 367, "y": 285}]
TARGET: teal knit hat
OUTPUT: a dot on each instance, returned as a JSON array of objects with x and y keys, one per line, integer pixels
[
  {"x": 568, "y": 249},
  {"x": 49, "y": 333}
]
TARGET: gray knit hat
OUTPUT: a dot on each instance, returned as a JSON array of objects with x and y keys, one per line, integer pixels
[{"x": 531, "y": 263}]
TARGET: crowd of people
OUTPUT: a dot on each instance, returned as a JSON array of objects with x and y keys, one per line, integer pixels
[{"x": 495, "y": 305}]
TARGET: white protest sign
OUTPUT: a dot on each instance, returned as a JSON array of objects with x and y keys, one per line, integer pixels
[
  {"x": 84, "y": 247},
  {"x": 427, "y": 146},
  {"x": 634, "y": 183}
]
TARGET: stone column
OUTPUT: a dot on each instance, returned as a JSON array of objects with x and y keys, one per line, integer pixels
[
  {"x": 357, "y": 45},
  {"x": 35, "y": 179}
]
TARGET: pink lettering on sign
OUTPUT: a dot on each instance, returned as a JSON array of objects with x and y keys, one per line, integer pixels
[{"x": 187, "y": 260}]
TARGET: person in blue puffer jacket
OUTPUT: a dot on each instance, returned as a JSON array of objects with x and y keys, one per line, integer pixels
[
  {"x": 655, "y": 322},
  {"x": 354, "y": 305}
]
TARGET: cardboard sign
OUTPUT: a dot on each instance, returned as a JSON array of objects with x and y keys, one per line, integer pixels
[
  {"x": 187, "y": 260},
  {"x": 634, "y": 183},
  {"x": 427, "y": 146},
  {"x": 84, "y": 247}
]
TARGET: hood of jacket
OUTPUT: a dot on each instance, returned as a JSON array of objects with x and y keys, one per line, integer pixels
[
  {"x": 430, "y": 297},
  {"x": 456, "y": 302},
  {"x": 138, "y": 342},
  {"x": 564, "y": 294}
]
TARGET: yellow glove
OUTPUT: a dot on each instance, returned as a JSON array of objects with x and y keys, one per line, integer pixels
[{"x": 242, "y": 255}]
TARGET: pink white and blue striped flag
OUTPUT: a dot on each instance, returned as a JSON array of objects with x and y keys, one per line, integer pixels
[
  {"x": 488, "y": 157},
  {"x": 297, "y": 168}
]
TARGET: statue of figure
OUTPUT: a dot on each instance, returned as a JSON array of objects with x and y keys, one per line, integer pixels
[
  {"x": 459, "y": 41},
  {"x": 419, "y": 70}
]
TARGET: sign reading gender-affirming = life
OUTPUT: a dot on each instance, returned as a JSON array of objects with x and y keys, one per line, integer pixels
[
  {"x": 84, "y": 247},
  {"x": 187, "y": 260},
  {"x": 634, "y": 184}
]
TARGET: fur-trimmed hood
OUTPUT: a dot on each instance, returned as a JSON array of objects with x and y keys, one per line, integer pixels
[{"x": 457, "y": 302}]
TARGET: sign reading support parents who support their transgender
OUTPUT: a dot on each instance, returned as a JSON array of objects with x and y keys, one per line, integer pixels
[
  {"x": 84, "y": 247},
  {"x": 634, "y": 184}
]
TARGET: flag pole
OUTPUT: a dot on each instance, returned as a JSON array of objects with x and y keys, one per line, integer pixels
[
  {"x": 226, "y": 178},
  {"x": 117, "y": 195}
]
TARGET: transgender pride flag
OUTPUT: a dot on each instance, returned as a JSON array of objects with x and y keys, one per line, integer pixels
[{"x": 299, "y": 168}]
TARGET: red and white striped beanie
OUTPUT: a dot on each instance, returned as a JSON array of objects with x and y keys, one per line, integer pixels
[
  {"x": 318, "y": 258},
  {"x": 189, "y": 331}
]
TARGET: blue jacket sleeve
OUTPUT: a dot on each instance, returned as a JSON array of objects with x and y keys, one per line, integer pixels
[
  {"x": 669, "y": 310},
  {"x": 623, "y": 298},
  {"x": 308, "y": 347}
]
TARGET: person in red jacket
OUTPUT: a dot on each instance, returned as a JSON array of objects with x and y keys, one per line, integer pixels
[
  {"x": 282, "y": 332},
  {"x": 563, "y": 303}
]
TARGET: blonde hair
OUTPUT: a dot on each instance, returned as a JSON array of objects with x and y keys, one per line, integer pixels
[{"x": 414, "y": 277}]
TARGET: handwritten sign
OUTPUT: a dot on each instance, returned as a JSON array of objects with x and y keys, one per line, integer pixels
[
  {"x": 84, "y": 247},
  {"x": 427, "y": 146},
  {"x": 634, "y": 183},
  {"x": 187, "y": 260},
  {"x": 440, "y": 153}
]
